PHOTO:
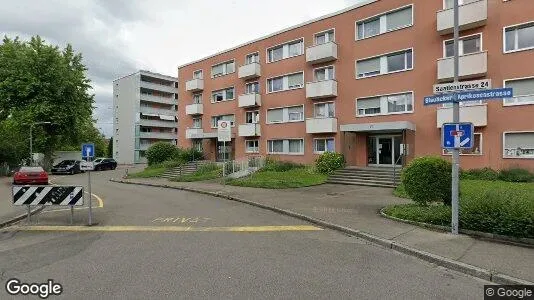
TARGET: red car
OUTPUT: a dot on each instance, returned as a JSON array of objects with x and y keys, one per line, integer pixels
[{"x": 30, "y": 175}]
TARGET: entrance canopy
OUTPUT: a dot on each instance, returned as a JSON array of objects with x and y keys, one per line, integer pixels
[{"x": 378, "y": 127}]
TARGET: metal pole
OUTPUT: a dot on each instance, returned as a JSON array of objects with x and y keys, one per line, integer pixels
[
  {"x": 71, "y": 214},
  {"x": 29, "y": 215},
  {"x": 455, "y": 119},
  {"x": 31, "y": 146},
  {"x": 90, "y": 196}
]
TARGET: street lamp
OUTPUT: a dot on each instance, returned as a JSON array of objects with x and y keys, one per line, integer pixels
[{"x": 31, "y": 138}]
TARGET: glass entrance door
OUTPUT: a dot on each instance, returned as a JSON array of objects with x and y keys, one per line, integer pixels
[
  {"x": 224, "y": 151},
  {"x": 384, "y": 150}
]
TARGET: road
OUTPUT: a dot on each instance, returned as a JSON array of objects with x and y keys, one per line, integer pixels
[{"x": 153, "y": 243}]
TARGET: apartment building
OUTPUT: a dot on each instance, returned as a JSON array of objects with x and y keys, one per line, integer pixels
[
  {"x": 144, "y": 111},
  {"x": 354, "y": 82}
]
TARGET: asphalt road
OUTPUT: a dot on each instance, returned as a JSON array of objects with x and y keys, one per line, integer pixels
[{"x": 153, "y": 243}]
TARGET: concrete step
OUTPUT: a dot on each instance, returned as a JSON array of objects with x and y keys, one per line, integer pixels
[
  {"x": 361, "y": 183},
  {"x": 376, "y": 175},
  {"x": 357, "y": 171},
  {"x": 363, "y": 179}
]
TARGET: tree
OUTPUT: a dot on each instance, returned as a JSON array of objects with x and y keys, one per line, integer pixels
[
  {"x": 13, "y": 149},
  {"x": 40, "y": 82},
  {"x": 110, "y": 147}
]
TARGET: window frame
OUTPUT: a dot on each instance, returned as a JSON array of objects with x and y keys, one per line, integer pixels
[
  {"x": 250, "y": 83},
  {"x": 446, "y": 152},
  {"x": 285, "y": 114},
  {"x": 253, "y": 53},
  {"x": 283, "y": 82},
  {"x": 200, "y": 97},
  {"x": 232, "y": 123},
  {"x": 224, "y": 95},
  {"x": 201, "y": 74},
  {"x": 381, "y": 104},
  {"x": 257, "y": 141},
  {"x": 315, "y": 151},
  {"x": 284, "y": 148},
  {"x": 303, "y": 50},
  {"x": 257, "y": 111},
  {"x": 319, "y": 103},
  {"x": 385, "y": 56},
  {"x": 515, "y": 79},
  {"x": 323, "y": 32},
  {"x": 504, "y": 143},
  {"x": 225, "y": 68},
  {"x": 324, "y": 67},
  {"x": 379, "y": 17},
  {"x": 517, "y": 40},
  {"x": 193, "y": 124},
  {"x": 460, "y": 50}
]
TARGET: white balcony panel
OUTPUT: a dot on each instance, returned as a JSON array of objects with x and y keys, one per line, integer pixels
[
  {"x": 321, "y": 89},
  {"x": 249, "y": 71},
  {"x": 158, "y": 123},
  {"x": 159, "y": 87},
  {"x": 253, "y": 129},
  {"x": 194, "y": 109},
  {"x": 194, "y": 133},
  {"x": 158, "y": 135},
  {"x": 194, "y": 85},
  {"x": 158, "y": 111},
  {"x": 470, "y": 15},
  {"x": 321, "y": 53},
  {"x": 476, "y": 114},
  {"x": 321, "y": 125},
  {"x": 471, "y": 66},
  {"x": 157, "y": 99},
  {"x": 249, "y": 100}
]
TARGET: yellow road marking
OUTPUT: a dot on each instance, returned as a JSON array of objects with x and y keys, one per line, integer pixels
[{"x": 165, "y": 228}]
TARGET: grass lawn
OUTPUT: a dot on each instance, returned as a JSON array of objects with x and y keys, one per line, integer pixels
[
  {"x": 299, "y": 177},
  {"x": 148, "y": 172},
  {"x": 499, "y": 207},
  {"x": 199, "y": 176}
]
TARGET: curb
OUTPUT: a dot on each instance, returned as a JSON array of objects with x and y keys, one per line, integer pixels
[
  {"x": 20, "y": 217},
  {"x": 522, "y": 242},
  {"x": 426, "y": 256}
]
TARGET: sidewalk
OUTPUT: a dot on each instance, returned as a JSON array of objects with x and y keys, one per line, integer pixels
[
  {"x": 8, "y": 212},
  {"x": 357, "y": 207}
]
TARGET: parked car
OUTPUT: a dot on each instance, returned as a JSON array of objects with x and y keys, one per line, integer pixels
[
  {"x": 30, "y": 175},
  {"x": 67, "y": 167},
  {"x": 105, "y": 164}
]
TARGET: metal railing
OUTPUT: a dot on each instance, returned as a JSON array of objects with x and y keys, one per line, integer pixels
[
  {"x": 395, "y": 169},
  {"x": 251, "y": 163}
]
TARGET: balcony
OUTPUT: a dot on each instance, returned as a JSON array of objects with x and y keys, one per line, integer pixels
[
  {"x": 250, "y": 129},
  {"x": 157, "y": 99},
  {"x": 158, "y": 123},
  {"x": 321, "y": 89},
  {"x": 194, "y": 85},
  {"x": 194, "y": 133},
  {"x": 476, "y": 114},
  {"x": 321, "y": 53},
  {"x": 194, "y": 109},
  {"x": 249, "y": 71},
  {"x": 158, "y": 111},
  {"x": 158, "y": 135},
  {"x": 159, "y": 87},
  {"x": 249, "y": 100},
  {"x": 471, "y": 15},
  {"x": 471, "y": 66},
  {"x": 321, "y": 125}
]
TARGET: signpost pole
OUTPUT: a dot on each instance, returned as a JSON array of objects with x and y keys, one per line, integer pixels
[
  {"x": 90, "y": 196},
  {"x": 224, "y": 162},
  {"x": 29, "y": 215},
  {"x": 71, "y": 214},
  {"x": 455, "y": 119}
]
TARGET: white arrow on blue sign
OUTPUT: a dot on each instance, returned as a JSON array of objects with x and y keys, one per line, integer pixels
[
  {"x": 88, "y": 150},
  {"x": 469, "y": 96},
  {"x": 457, "y": 136}
]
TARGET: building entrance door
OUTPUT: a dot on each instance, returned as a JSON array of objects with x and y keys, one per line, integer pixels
[{"x": 384, "y": 150}]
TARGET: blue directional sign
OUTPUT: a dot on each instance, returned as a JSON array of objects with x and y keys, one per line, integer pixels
[
  {"x": 469, "y": 96},
  {"x": 88, "y": 150},
  {"x": 457, "y": 136}
]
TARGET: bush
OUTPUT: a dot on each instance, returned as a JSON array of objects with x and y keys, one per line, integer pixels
[
  {"x": 280, "y": 166},
  {"x": 516, "y": 175},
  {"x": 328, "y": 162},
  {"x": 188, "y": 155},
  {"x": 160, "y": 152},
  {"x": 480, "y": 174},
  {"x": 428, "y": 179},
  {"x": 172, "y": 164}
]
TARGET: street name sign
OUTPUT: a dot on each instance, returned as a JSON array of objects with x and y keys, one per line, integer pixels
[
  {"x": 462, "y": 86},
  {"x": 88, "y": 150},
  {"x": 87, "y": 165},
  {"x": 469, "y": 96},
  {"x": 457, "y": 136},
  {"x": 224, "y": 133}
]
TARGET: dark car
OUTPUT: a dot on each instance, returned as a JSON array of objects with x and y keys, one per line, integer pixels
[
  {"x": 67, "y": 167},
  {"x": 30, "y": 175},
  {"x": 105, "y": 164}
]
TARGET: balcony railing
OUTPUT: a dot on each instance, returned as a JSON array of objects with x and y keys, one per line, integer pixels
[
  {"x": 249, "y": 129},
  {"x": 158, "y": 111},
  {"x": 194, "y": 109},
  {"x": 249, "y": 100},
  {"x": 158, "y": 123},
  {"x": 249, "y": 71},
  {"x": 476, "y": 114},
  {"x": 321, "y": 53},
  {"x": 159, "y": 87},
  {"x": 470, "y": 15},
  {"x": 321, "y": 125},
  {"x": 321, "y": 89},
  {"x": 194, "y": 85},
  {"x": 471, "y": 66},
  {"x": 158, "y": 135},
  {"x": 194, "y": 133},
  {"x": 157, "y": 99}
]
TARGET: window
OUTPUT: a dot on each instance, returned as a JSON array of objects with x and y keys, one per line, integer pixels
[
  {"x": 388, "y": 63},
  {"x": 476, "y": 150},
  {"x": 222, "y": 95},
  {"x": 197, "y": 144},
  {"x": 326, "y": 73},
  {"x": 252, "y": 117},
  {"x": 324, "y": 110},
  {"x": 518, "y": 144},
  {"x": 519, "y": 37},
  {"x": 197, "y": 98},
  {"x": 323, "y": 145},
  {"x": 286, "y": 50},
  {"x": 216, "y": 119},
  {"x": 252, "y": 58},
  {"x": 448, "y": 4},
  {"x": 197, "y": 74},
  {"x": 197, "y": 123},
  {"x": 387, "y": 22},
  {"x": 523, "y": 91},
  {"x": 252, "y": 146},
  {"x": 386, "y": 104},
  {"x": 285, "y": 114},
  {"x": 286, "y": 82},
  {"x": 252, "y": 88},
  {"x": 223, "y": 69},
  {"x": 324, "y": 37},
  {"x": 287, "y": 146},
  {"x": 470, "y": 44}
]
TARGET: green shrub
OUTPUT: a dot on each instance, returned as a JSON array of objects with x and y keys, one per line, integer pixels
[
  {"x": 428, "y": 179},
  {"x": 516, "y": 175},
  {"x": 172, "y": 164},
  {"x": 160, "y": 152},
  {"x": 328, "y": 162},
  {"x": 479, "y": 174},
  {"x": 191, "y": 154},
  {"x": 208, "y": 168},
  {"x": 280, "y": 166}
]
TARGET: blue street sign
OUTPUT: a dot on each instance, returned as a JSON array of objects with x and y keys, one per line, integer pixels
[
  {"x": 88, "y": 150},
  {"x": 469, "y": 96},
  {"x": 457, "y": 135}
]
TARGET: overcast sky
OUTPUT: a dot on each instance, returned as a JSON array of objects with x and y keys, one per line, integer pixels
[{"x": 118, "y": 37}]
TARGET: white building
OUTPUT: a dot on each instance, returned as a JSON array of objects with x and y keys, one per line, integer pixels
[{"x": 144, "y": 110}]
